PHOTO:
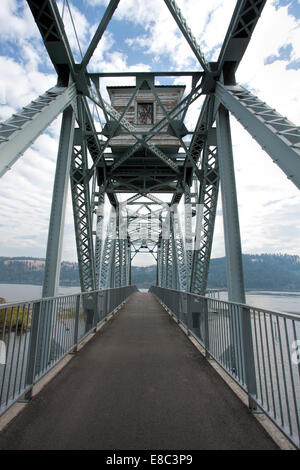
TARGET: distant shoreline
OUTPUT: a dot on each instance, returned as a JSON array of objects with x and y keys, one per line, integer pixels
[
  {"x": 262, "y": 272},
  {"x": 252, "y": 289},
  {"x": 36, "y": 284}
]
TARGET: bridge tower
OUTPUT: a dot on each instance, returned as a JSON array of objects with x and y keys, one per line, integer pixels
[{"x": 141, "y": 107}]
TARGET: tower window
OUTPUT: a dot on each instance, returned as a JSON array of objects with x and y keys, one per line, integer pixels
[{"x": 144, "y": 113}]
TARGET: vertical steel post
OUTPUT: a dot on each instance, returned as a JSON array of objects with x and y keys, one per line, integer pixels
[
  {"x": 76, "y": 323},
  {"x": 235, "y": 278},
  {"x": 33, "y": 349},
  {"x": 157, "y": 266},
  {"x": 250, "y": 374},
  {"x": 96, "y": 311},
  {"x": 206, "y": 327},
  {"x": 57, "y": 218}
]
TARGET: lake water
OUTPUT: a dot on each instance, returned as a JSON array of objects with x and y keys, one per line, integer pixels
[
  {"x": 25, "y": 292},
  {"x": 288, "y": 302},
  {"x": 272, "y": 300}
]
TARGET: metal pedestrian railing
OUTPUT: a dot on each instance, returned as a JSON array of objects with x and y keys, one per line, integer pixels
[
  {"x": 36, "y": 335},
  {"x": 258, "y": 348}
]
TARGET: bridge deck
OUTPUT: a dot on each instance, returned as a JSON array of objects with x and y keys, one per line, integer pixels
[{"x": 138, "y": 384}]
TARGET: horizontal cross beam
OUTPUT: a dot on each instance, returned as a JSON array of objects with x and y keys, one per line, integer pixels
[{"x": 96, "y": 75}]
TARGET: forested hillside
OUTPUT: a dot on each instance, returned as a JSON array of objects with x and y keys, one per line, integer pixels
[
  {"x": 265, "y": 271},
  {"x": 25, "y": 270}
]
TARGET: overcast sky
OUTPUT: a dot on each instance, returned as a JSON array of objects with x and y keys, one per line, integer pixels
[{"x": 144, "y": 36}]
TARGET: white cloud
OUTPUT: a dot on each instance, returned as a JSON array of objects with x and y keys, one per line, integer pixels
[
  {"x": 16, "y": 21},
  {"x": 162, "y": 38},
  {"x": 77, "y": 28},
  {"x": 21, "y": 84},
  {"x": 95, "y": 3}
]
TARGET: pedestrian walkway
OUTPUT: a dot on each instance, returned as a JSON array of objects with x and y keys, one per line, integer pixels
[{"x": 138, "y": 384}]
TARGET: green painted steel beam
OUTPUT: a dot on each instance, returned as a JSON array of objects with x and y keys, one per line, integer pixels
[
  {"x": 235, "y": 275},
  {"x": 51, "y": 27},
  {"x": 279, "y": 137},
  {"x": 190, "y": 38},
  {"x": 19, "y": 131},
  {"x": 111, "y": 7},
  {"x": 57, "y": 217},
  {"x": 238, "y": 36}
]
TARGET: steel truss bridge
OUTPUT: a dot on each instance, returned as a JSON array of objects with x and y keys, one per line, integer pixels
[
  {"x": 145, "y": 173},
  {"x": 205, "y": 162}
]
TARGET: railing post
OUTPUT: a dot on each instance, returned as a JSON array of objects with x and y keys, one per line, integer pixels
[
  {"x": 249, "y": 362},
  {"x": 183, "y": 307},
  {"x": 196, "y": 317},
  {"x": 189, "y": 320},
  {"x": 76, "y": 323},
  {"x": 206, "y": 329},
  {"x": 96, "y": 314},
  {"x": 33, "y": 346},
  {"x": 101, "y": 305},
  {"x": 188, "y": 311},
  {"x": 89, "y": 311},
  {"x": 106, "y": 303}
]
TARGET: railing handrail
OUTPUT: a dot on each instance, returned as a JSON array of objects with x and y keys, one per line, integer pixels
[
  {"x": 292, "y": 316},
  {"x": 43, "y": 299}
]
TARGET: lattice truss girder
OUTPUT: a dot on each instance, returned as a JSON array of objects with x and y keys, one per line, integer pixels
[
  {"x": 117, "y": 268},
  {"x": 164, "y": 262},
  {"x": 108, "y": 254},
  {"x": 114, "y": 257},
  {"x": 188, "y": 231},
  {"x": 99, "y": 209},
  {"x": 106, "y": 260},
  {"x": 179, "y": 254},
  {"x": 206, "y": 213},
  {"x": 82, "y": 215},
  {"x": 171, "y": 263}
]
